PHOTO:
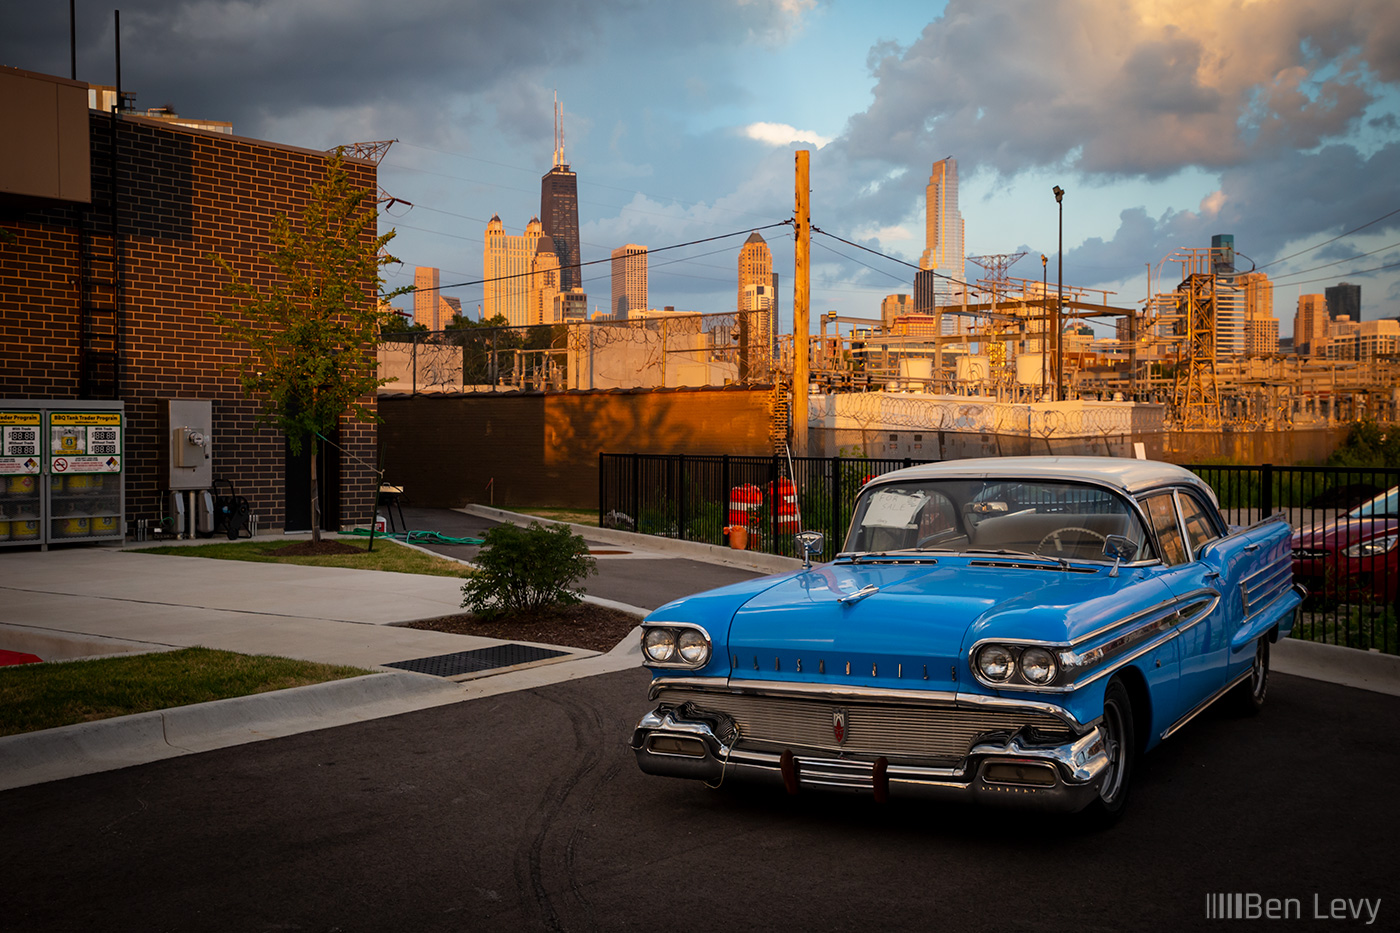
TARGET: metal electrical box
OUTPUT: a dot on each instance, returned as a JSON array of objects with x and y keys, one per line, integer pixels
[{"x": 187, "y": 431}]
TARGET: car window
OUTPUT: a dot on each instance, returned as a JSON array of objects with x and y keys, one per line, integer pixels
[
  {"x": 1386, "y": 505},
  {"x": 1054, "y": 519},
  {"x": 1199, "y": 528},
  {"x": 1161, "y": 509}
]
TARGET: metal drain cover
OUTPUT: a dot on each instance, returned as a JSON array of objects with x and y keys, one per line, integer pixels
[{"x": 477, "y": 660}]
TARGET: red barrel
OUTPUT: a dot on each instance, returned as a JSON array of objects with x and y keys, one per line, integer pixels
[
  {"x": 745, "y": 502},
  {"x": 785, "y": 516}
]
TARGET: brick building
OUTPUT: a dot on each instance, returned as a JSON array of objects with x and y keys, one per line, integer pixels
[{"x": 86, "y": 314}]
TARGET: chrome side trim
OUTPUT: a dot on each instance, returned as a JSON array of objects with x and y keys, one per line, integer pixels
[
  {"x": 1204, "y": 704},
  {"x": 1151, "y": 610},
  {"x": 1155, "y": 627}
]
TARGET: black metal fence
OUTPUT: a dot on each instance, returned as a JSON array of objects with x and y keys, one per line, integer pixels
[{"x": 1345, "y": 543}]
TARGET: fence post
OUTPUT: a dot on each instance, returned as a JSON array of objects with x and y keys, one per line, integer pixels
[
  {"x": 680, "y": 497},
  {"x": 637, "y": 491},
  {"x": 602, "y": 487},
  {"x": 724, "y": 496},
  {"x": 835, "y": 493},
  {"x": 1266, "y": 495}
]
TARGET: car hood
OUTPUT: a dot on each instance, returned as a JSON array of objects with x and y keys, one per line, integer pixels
[{"x": 920, "y": 621}]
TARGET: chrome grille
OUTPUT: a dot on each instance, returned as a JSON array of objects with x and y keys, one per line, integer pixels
[{"x": 871, "y": 729}]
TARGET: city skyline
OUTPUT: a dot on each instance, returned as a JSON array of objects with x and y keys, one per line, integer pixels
[{"x": 1165, "y": 125}]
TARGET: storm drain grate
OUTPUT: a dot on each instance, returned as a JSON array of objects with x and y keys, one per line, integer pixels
[{"x": 479, "y": 659}]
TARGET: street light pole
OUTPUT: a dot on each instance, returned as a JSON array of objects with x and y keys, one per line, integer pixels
[{"x": 1060, "y": 300}]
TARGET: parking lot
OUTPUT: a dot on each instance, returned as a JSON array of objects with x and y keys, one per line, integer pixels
[{"x": 526, "y": 812}]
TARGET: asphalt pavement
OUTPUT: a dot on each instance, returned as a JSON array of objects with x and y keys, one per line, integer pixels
[{"x": 76, "y": 602}]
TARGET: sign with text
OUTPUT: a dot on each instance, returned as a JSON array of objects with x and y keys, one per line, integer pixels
[
  {"x": 19, "y": 442},
  {"x": 85, "y": 442}
]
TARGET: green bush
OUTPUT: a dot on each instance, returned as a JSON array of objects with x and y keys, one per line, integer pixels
[{"x": 526, "y": 569}]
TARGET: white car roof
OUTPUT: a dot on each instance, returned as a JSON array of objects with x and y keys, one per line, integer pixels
[{"x": 1121, "y": 473}]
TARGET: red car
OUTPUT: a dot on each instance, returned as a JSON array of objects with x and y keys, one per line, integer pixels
[{"x": 1353, "y": 559}]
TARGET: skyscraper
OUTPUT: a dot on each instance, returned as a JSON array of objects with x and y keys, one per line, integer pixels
[
  {"x": 1310, "y": 326},
  {"x": 426, "y": 299},
  {"x": 1260, "y": 325},
  {"x": 506, "y": 266},
  {"x": 544, "y": 281},
  {"x": 1344, "y": 299},
  {"x": 629, "y": 281},
  {"x": 559, "y": 207},
  {"x": 943, "y": 231},
  {"x": 756, "y": 269}
]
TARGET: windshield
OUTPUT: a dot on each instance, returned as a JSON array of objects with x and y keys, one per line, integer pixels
[
  {"x": 1383, "y": 506},
  {"x": 1059, "y": 520}
]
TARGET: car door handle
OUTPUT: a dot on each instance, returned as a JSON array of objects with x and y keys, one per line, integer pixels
[
  {"x": 1251, "y": 547},
  {"x": 868, "y": 590}
]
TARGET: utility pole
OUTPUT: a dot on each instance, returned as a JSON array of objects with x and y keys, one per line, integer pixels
[{"x": 801, "y": 302}]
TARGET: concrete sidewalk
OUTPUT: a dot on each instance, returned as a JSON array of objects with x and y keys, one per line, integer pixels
[{"x": 70, "y": 603}]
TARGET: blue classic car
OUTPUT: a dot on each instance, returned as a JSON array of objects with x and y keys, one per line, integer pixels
[{"x": 1010, "y": 630}]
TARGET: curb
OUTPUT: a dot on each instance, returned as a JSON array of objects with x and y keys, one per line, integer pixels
[
  {"x": 104, "y": 745},
  {"x": 1349, "y": 667},
  {"x": 672, "y": 547}
]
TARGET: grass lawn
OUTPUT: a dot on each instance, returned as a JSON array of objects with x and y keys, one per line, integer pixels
[
  {"x": 387, "y": 555},
  {"x": 43, "y": 696}
]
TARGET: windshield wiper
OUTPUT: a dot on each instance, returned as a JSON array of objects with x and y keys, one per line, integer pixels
[
  {"x": 857, "y": 557},
  {"x": 1005, "y": 552}
]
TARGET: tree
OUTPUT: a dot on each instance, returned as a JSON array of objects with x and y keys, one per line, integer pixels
[{"x": 312, "y": 323}]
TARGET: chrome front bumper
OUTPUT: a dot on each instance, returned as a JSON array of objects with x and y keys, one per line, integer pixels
[{"x": 688, "y": 743}]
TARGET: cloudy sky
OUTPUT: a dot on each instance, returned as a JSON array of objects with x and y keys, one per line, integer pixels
[{"x": 1166, "y": 122}]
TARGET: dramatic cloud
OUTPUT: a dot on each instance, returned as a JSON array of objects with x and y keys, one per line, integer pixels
[{"x": 1128, "y": 88}]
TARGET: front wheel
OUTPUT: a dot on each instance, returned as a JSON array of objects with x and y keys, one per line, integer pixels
[
  {"x": 1248, "y": 697},
  {"x": 1120, "y": 744}
]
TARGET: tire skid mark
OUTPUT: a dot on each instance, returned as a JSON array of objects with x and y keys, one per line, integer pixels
[{"x": 585, "y": 725}]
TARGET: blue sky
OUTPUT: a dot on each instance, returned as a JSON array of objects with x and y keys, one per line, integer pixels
[{"x": 1274, "y": 120}]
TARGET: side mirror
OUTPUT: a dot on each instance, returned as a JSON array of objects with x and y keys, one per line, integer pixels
[
  {"x": 807, "y": 544},
  {"x": 1119, "y": 547}
]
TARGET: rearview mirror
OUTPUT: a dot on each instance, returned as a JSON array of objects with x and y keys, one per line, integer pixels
[
  {"x": 807, "y": 544},
  {"x": 1119, "y": 548}
]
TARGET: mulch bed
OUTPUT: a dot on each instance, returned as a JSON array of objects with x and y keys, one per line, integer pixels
[{"x": 594, "y": 628}]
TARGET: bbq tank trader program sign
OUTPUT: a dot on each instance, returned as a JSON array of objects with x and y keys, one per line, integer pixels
[
  {"x": 85, "y": 442},
  {"x": 19, "y": 442}
]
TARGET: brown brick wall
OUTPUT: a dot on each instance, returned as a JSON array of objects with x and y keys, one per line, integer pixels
[
  {"x": 541, "y": 449},
  {"x": 184, "y": 194}
]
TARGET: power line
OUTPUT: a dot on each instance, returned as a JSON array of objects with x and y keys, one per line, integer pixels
[
  {"x": 1333, "y": 240},
  {"x": 594, "y": 262}
]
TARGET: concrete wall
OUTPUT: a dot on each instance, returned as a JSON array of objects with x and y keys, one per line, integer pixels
[{"x": 535, "y": 449}]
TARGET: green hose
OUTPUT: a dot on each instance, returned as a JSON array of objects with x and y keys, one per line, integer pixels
[{"x": 414, "y": 537}]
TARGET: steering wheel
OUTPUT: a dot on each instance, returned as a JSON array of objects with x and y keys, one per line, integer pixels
[{"x": 1055, "y": 536}]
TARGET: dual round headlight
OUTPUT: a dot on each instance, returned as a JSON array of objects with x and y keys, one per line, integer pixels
[
  {"x": 676, "y": 646},
  {"x": 1000, "y": 664}
]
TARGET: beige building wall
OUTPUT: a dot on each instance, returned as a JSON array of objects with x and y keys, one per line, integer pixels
[
  {"x": 544, "y": 282},
  {"x": 426, "y": 298},
  {"x": 1260, "y": 324},
  {"x": 629, "y": 281},
  {"x": 1310, "y": 326},
  {"x": 895, "y": 306},
  {"x": 506, "y": 264}
]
